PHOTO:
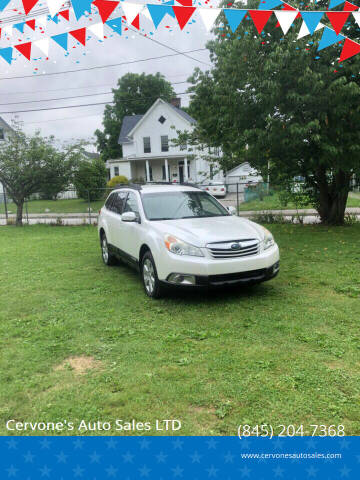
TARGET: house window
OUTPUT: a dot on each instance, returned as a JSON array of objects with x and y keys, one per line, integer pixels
[
  {"x": 147, "y": 145},
  {"x": 211, "y": 172},
  {"x": 2, "y": 136},
  {"x": 188, "y": 169},
  {"x": 108, "y": 173},
  {"x": 164, "y": 143},
  {"x": 116, "y": 171},
  {"x": 162, "y": 119},
  {"x": 150, "y": 173},
  {"x": 183, "y": 146}
]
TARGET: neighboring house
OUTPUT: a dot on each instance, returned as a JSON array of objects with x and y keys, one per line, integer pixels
[
  {"x": 148, "y": 152},
  {"x": 5, "y": 130},
  {"x": 242, "y": 174}
]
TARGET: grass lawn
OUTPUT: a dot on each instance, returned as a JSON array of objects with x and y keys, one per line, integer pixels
[
  {"x": 80, "y": 340},
  {"x": 272, "y": 202}
]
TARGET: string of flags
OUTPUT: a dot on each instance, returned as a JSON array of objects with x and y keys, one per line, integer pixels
[{"x": 182, "y": 11}]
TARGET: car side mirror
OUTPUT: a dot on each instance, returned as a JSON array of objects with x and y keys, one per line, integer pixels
[
  {"x": 231, "y": 210},
  {"x": 129, "y": 217}
]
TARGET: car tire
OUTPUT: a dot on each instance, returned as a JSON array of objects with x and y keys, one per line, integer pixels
[
  {"x": 108, "y": 258},
  {"x": 152, "y": 285}
]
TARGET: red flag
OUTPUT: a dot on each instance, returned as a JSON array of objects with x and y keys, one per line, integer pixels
[
  {"x": 350, "y": 7},
  {"x": 136, "y": 22},
  {"x": 185, "y": 3},
  {"x": 64, "y": 14},
  {"x": 29, "y": 5},
  {"x": 337, "y": 20},
  {"x": 80, "y": 35},
  {"x": 183, "y": 15},
  {"x": 286, "y": 6},
  {"x": 24, "y": 49},
  {"x": 31, "y": 24},
  {"x": 260, "y": 17},
  {"x": 105, "y": 7},
  {"x": 350, "y": 49}
]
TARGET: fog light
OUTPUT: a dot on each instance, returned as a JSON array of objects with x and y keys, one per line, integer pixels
[
  {"x": 276, "y": 267},
  {"x": 181, "y": 279}
]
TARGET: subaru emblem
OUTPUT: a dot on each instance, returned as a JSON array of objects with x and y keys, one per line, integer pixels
[{"x": 235, "y": 246}]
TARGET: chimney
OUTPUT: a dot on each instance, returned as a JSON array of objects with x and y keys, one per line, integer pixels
[{"x": 176, "y": 102}]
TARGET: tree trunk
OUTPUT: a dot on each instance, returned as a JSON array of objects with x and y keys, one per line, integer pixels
[
  {"x": 332, "y": 198},
  {"x": 19, "y": 214}
]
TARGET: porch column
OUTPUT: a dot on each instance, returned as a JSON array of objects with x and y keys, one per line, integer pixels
[
  {"x": 166, "y": 170},
  {"x": 186, "y": 178},
  {"x": 147, "y": 171}
]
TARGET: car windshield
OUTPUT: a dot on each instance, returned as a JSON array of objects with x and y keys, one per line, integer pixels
[{"x": 176, "y": 205}]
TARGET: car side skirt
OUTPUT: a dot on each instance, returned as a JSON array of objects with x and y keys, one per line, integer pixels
[{"x": 125, "y": 257}]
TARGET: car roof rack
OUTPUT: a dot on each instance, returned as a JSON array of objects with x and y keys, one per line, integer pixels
[
  {"x": 134, "y": 186},
  {"x": 138, "y": 186}
]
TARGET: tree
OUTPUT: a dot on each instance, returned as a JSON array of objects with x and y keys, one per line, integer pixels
[
  {"x": 90, "y": 179},
  {"x": 134, "y": 95},
  {"x": 288, "y": 103},
  {"x": 26, "y": 161}
]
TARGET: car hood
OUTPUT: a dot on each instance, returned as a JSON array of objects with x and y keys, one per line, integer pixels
[{"x": 201, "y": 231}]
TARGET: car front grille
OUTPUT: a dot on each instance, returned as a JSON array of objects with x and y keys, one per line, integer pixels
[{"x": 234, "y": 248}]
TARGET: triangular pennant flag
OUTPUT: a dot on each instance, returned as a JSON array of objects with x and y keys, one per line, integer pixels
[
  {"x": 304, "y": 31},
  {"x": 55, "y": 19},
  {"x": 3, "y": 4},
  {"x": 312, "y": 20},
  {"x": 350, "y": 7},
  {"x": 43, "y": 45},
  {"x": 97, "y": 29},
  {"x": 41, "y": 20},
  {"x": 131, "y": 10},
  {"x": 260, "y": 18},
  {"x": 234, "y": 17},
  {"x": 6, "y": 54},
  {"x": 350, "y": 49},
  {"x": 146, "y": 13},
  {"x": 80, "y": 35},
  {"x": 338, "y": 19},
  {"x": 62, "y": 40},
  {"x": 335, "y": 3},
  {"x": 31, "y": 24},
  {"x": 183, "y": 15},
  {"x": 184, "y": 3},
  {"x": 136, "y": 22},
  {"x": 269, "y": 4},
  {"x": 115, "y": 24},
  {"x": 8, "y": 30},
  {"x": 29, "y": 5},
  {"x": 54, "y": 6},
  {"x": 171, "y": 2},
  {"x": 357, "y": 17},
  {"x": 105, "y": 7},
  {"x": 65, "y": 14},
  {"x": 208, "y": 16},
  {"x": 20, "y": 26},
  {"x": 329, "y": 37},
  {"x": 80, "y": 7},
  {"x": 158, "y": 12},
  {"x": 24, "y": 49},
  {"x": 285, "y": 19}
]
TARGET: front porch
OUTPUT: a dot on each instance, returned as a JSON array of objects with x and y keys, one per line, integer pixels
[{"x": 175, "y": 170}]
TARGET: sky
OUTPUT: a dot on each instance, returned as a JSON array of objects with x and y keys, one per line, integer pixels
[{"x": 80, "y": 123}]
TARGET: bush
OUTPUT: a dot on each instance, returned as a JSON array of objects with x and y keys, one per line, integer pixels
[
  {"x": 90, "y": 179},
  {"x": 116, "y": 180}
]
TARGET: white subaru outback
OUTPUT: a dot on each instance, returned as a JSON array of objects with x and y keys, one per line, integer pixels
[{"x": 181, "y": 235}]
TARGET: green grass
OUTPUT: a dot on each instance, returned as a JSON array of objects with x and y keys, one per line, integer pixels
[
  {"x": 272, "y": 202},
  {"x": 75, "y": 205},
  {"x": 283, "y": 352}
]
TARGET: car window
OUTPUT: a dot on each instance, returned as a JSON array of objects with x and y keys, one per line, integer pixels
[
  {"x": 131, "y": 204},
  {"x": 118, "y": 202},
  {"x": 109, "y": 201}
]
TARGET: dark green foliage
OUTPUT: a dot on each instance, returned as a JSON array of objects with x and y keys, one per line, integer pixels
[{"x": 90, "y": 179}]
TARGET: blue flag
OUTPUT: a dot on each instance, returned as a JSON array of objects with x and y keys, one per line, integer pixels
[
  {"x": 158, "y": 12},
  {"x": 234, "y": 17},
  {"x": 62, "y": 40},
  {"x": 6, "y": 54},
  {"x": 269, "y": 4},
  {"x": 80, "y": 7},
  {"x": 3, "y": 4},
  {"x": 311, "y": 20},
  {"x": 335, "y": 3},
  {"x": 328, "y": 38},
  {"x": 20, "y": 26},
  {"x": 115, "y": 24}
]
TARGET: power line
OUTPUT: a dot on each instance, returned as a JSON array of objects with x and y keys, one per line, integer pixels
[
  {"x": 58, "y": 98},
  {"x": 86, "y": 69}
]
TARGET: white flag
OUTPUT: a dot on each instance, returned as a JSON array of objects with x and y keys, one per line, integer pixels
[
  {"x": 97, "y": 29},
  {"x": 304, "y": 31},
  {"x": 131, "y": 10},
  {"x": 8, "y": 30},
  {"x": 54, "y": 6},
  {"x": 357, "y": 17},
  {"x": 208, "y": 16},
  {"x": 146, "y": 13},
  {"x": 42, "y": 20},
  {"x": 43, "y": 45},
  {"x": 285, "y": 18}
]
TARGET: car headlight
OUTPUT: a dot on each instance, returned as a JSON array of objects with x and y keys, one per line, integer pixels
[
  {"x": 268, "y": 239},
  {"x": 177, "y": 246}
]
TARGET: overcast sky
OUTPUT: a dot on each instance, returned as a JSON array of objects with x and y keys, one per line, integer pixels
[{"x": 75, "y": 123}]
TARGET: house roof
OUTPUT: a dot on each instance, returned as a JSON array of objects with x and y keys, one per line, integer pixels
[
  {"x": 91, "y": 155},
  {"x": 131, "y": 121},
  {"x": 5, "y": 124},
  {"x": 233, "y": 170}
]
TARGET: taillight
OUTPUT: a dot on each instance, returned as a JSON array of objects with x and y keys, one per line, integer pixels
[
  {"x": 223, "y": 189},
  {"x": 207, "y": 188},
  {"x": 99, "y": 211}
]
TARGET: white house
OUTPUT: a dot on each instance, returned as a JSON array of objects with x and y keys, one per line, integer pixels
[
  {"x": 242, "y": 174},
  {"x": 148, "y": 152},
  {"x": 5, "y": 130}
]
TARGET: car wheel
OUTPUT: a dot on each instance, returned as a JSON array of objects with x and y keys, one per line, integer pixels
[
  {"x": 150, "y": 279},
  {"x": 107, "y": 257}
]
